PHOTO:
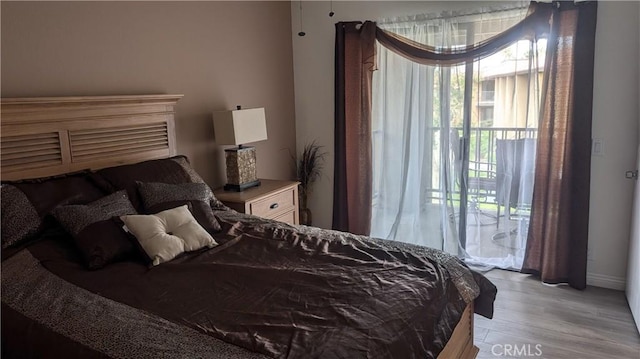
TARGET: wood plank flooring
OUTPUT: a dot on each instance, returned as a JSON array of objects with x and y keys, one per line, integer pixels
[{"x": 563, "y": 322}]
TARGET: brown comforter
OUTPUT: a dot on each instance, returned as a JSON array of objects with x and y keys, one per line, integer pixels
[{"x": 274, "y": 289}]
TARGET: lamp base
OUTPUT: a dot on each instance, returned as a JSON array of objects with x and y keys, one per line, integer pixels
[
  {"x": 241, "y": 187},
  {"x": 241, "y": 168}
]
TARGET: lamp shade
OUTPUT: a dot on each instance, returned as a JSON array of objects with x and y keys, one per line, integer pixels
[{"x": 238, "y": 127}]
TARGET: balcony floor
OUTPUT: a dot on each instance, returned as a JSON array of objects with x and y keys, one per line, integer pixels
[{"x": 496, "y": 242}]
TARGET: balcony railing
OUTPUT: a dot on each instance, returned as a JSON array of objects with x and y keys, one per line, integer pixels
[
  {"x": 482, "y": 145},
  {"x": 482, "y": 159},
  {"x": 483, "y": 168}
]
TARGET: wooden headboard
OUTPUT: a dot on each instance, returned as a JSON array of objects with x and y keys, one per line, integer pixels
[{"x": 53, "y": 135}]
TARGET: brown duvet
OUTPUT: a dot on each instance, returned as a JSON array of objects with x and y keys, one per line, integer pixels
[{"x": 289, "y": 292}]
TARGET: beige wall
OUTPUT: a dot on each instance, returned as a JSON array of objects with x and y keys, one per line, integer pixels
[
  {"x": 615, "y": 116},
  {"x": 615, "y": 121},
  {"x": 218, "y": 54}
]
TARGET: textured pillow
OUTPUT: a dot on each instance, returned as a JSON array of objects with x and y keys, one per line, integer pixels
[
  {"x": 174, "y": 170},
  {"x": 157, "y": 197},
  {"x": 26, "y": 204},
  {"x": 165, "y": 235},
  {"x": 99, "y": 237},
  {"x": 20, "y": 220}
]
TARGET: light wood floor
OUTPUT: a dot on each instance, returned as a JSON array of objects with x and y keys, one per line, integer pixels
[{"x": 567, "y": 323}]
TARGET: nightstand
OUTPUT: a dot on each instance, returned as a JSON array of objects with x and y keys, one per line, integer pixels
[{"x": 273, "y": 199}]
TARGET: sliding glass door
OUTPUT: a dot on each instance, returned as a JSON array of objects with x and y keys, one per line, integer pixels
[
  {"x": 453, "y": 146},
  {"x": 498, "y": 153}
]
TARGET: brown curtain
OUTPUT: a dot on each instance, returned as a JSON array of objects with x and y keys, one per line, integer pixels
[
  {"x": 354, "y": 65},
  {"x": 558, "y": 232}
]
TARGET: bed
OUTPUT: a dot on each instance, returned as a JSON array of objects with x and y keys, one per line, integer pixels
[{"x": 256, "y": 288}]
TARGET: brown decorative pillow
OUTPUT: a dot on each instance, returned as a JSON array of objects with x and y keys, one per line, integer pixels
[
  {"x": 48, "y": 193},
  {"x": 157, "y": 197},
  {"x": 96, "y": 233},
  {"x": 26, "y": 204},
  {"x": 174, "y": 170}
]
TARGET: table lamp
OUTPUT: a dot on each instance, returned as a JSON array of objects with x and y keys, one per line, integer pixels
[{"x": 239, "y": 127}]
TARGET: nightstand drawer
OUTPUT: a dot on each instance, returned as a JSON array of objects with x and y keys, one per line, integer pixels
[
  {"x": 289, "y": 217},
  {"x": 273, "y": 205},
  {"x": 273, "y": 199}
]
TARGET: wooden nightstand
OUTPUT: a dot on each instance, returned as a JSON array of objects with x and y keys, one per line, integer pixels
[{"x": 272, "y": 199}]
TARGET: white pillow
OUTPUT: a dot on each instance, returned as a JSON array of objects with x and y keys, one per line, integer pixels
[{"x": 166, "y": 234}]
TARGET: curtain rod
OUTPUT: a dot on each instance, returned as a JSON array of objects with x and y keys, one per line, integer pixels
[{"x": 450, "y": 14}]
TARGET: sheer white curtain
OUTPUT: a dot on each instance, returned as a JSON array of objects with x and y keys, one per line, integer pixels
[
  {"x": 431, "y": 162},
  {"x": 405, "y": 148}
]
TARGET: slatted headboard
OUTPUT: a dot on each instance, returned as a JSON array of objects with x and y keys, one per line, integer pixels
[{"x": 54, "y": 135}]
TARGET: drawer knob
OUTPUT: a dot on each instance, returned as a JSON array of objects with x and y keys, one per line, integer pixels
[{"x": 274, "y": 206}]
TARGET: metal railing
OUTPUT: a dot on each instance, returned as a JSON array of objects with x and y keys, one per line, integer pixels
[
  {"x": 482, "y": 158},
  {"x": 482, "y": 145}
]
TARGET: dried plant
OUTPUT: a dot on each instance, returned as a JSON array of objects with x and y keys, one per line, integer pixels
[{"x": 309, "y": 167}]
